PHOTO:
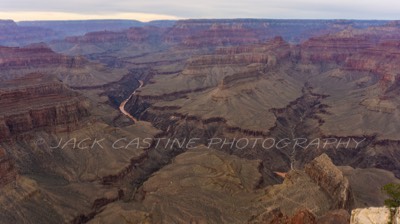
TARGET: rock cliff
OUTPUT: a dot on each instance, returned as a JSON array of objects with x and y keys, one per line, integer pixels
[
  {"x": 8, "y": 173},
  {"x": 331, "y": 179},
  {"x": 38, "y": 101},
  {"x": 74, "y": 71}
]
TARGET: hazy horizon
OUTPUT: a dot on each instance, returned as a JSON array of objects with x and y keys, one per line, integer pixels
[
  {"x": 129, "y": 19},
  {"x": 29, "y": 10}
]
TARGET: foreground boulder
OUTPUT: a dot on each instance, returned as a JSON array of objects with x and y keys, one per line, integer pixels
[{"x": 375, "y": 215}]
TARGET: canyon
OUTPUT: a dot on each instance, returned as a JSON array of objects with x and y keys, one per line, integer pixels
[{"x": 202, "y": 80}]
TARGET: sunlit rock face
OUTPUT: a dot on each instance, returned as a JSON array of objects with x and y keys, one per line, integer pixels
[{"x": 370, "y": 215}]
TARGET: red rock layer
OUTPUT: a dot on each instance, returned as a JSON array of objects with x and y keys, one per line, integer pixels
[
  {"x": 375, "y": 50},
  {"x": 38, "y": 102},
  {"x": 36, "y": 56},
  {"x": 244, "y": 31},
  {"x": 382, "y": 59},
  {"x": 333, "y": 48},
  {"x": 136, "y": 34},
  {"x": 222, "y": 34},
  {"x": 22, "y": 57},
  {"x": 238, "y": 55}
]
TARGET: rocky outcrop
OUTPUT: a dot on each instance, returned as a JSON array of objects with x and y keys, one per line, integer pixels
[
  {"x": 8, "y": 173},
  {"x": 275, "y": 216},
  {"x": 335, "y": 217},
  {"x": 303, "y": 217},
  {"x": 331, "y": 180},
  {"x": 377, "y": 215}
]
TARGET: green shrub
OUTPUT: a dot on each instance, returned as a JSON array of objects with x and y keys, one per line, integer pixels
[{"x": 393, "y": 191}]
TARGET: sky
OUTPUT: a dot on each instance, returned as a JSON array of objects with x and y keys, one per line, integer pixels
[{"x": 146, "y": 10}]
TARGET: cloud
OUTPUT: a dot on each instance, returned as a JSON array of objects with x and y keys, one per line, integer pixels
[
  {"x": 27, "y": 15},
  {"x": 308, "y": 9}
]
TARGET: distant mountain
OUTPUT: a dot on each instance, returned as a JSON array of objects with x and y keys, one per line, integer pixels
[
  {"x": 11, "y": 34},
  {"x": 80, "y": 27},
  {"x": 27, "y": 32}
]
